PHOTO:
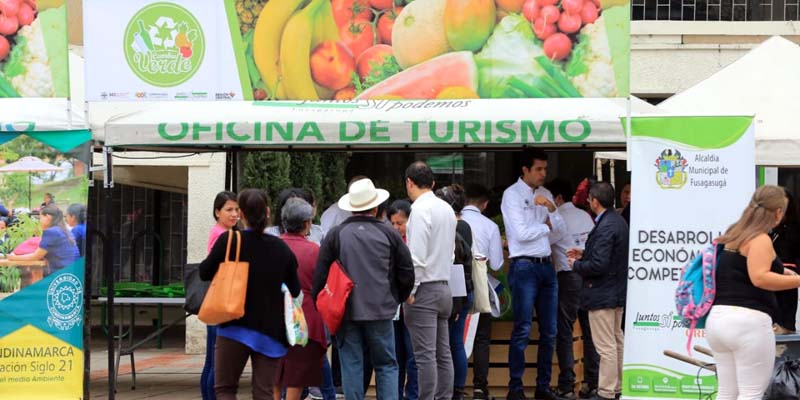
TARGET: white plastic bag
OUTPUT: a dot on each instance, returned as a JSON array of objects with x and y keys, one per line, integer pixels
[{"x": 295, "y": 320}]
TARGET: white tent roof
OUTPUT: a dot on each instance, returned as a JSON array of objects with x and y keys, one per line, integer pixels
[
  {"x": 766, "y": 83},
  {"x": 367, "y": 123}
]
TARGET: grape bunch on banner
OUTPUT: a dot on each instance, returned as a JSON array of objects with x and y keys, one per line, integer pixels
[
  {"x": 196, "y": 50},
  {"x": 691, "y": 178}
]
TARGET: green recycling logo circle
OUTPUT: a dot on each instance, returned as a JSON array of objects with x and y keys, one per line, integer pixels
[{"x": 164, "y": 44}]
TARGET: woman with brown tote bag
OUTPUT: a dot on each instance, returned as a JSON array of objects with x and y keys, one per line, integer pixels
[{"x": 259, "y": 335}]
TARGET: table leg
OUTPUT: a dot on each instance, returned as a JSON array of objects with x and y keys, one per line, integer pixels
[
  {"x": 119, "y": 347},
  {"x": 37, "y": 274}
]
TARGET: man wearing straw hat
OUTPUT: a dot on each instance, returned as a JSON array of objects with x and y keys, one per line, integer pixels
[{"x": 375, "y": 258}]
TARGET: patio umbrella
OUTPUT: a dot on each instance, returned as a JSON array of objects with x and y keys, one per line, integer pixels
[{"x": 30, "y": 164}]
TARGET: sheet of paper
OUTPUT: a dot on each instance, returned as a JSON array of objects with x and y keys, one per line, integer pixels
[{"x": 458, "y": 287}]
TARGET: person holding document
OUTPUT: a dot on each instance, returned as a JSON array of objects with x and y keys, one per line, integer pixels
[{"x": 463, "y": 293}]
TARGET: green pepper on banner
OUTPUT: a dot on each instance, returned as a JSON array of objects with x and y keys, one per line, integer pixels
[{"x": 143, "y": 50}]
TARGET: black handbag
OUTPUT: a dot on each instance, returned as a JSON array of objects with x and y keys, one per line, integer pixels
[{"x": 196, "y": 288}]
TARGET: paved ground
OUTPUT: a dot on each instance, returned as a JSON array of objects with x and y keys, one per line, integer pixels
[
  {"x": 161, "y": 374},
  {"x": 166, "y": 373}
]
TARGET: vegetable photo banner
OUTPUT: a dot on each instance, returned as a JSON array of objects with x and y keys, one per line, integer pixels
[
  {"x": 140, "y": 50},
  {"x": 34, "y": 57},
  {"x": 691, "y": 179},
  {"x": 43, "y": 192}
]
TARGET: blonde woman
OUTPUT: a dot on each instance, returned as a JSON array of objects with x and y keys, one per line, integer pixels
[{"x": 739, "y": 326}]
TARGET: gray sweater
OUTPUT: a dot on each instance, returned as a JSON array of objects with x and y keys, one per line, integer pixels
[{"x": 375, "y": 258}]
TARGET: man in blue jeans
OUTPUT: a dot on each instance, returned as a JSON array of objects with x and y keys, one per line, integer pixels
[
  {"x": 375, "y": 258},
  {"x": 532, "y": 224}
]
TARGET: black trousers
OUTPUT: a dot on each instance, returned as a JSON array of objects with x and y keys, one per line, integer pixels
[
  {"x": 569, "y": 296},
  {"x": 591, "y": 360},
  {"x": 787, "y": 309},
  {"x": 480, "y": 353}
]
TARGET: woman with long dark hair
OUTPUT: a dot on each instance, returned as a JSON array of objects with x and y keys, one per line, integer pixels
[
  {"x": 76, "y": 219},
  {"x": 739, "y": 325},
  {"x": 226, "y": 213},
  {"x": 57, "y": 246},
  {"x": 260, "y": 335}
]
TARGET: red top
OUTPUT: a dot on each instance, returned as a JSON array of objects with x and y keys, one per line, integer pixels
[{"x": 306, "y": 253}]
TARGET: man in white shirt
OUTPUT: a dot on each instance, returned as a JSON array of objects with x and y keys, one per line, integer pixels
[
  {"x": 431, "y": 234},
  {"x": 579, "y": 223},
  {"x": 532, "y": 223},
  {"x": 487, "y": 243},
  {"x": 334, "y": 215}
]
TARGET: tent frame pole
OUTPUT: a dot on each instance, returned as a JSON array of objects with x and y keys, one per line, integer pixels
[{"x": 108, "y": 262}]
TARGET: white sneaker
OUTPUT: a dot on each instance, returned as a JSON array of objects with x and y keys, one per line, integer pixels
[{"x": 314, "y": 393}]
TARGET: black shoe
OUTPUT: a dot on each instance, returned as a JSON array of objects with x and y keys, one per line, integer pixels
[
  {"x": 546, "y": 394},
  {"x": 598, "y": 397},
  {"x": 567, "y": 394},
  {"x": 617, "y": 396},
  {"x": 516, "y": 395},
  {"x": 587, "y": 393},
  {"x": 458, "y": 393}
]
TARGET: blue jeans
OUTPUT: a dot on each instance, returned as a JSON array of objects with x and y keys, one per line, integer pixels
[
  {"x": 207, "y": 376},
  {"x": 327, "y": 388},
  {"x": 532, "y": 285},
  {"x": 457, "y": 344},
  {"x": 407, "y": 377},
  {"x": 379, "y": 338}
]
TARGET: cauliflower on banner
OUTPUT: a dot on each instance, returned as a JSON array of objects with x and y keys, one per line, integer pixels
[
  {"x": 590, "y": 69},
  {"x": 28, "y": 67}
]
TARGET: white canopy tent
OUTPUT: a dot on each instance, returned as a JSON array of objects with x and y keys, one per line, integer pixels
[
  {"x": 766, "y": 83},
  {"x": 388, "y": 124}
]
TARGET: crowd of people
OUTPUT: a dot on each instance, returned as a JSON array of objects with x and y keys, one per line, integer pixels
[{"x": 405, "y": 317}]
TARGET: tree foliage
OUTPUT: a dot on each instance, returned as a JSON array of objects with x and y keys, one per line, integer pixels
[{"x": 322, "y": 173}]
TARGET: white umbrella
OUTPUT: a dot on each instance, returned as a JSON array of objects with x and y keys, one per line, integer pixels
[{"x": 30, "y": 164}]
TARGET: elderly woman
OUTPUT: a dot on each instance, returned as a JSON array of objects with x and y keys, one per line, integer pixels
[
  {"x": 314, "y": 234},
  {"x": 302, "y": 366}
]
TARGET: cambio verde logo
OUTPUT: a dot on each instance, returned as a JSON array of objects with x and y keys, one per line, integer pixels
[{"x": 164, "y": 44}]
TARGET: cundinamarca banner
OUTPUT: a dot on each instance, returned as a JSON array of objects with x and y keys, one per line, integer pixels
[
  {"x": 41, "y": 301},
  {"x": 691, "y": 178},
  {"x": 140, "y": 50}
]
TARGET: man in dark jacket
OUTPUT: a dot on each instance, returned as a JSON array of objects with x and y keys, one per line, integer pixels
[
  {"x": 375, "y": 258},
  {"x": 603, "y": 266}
]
